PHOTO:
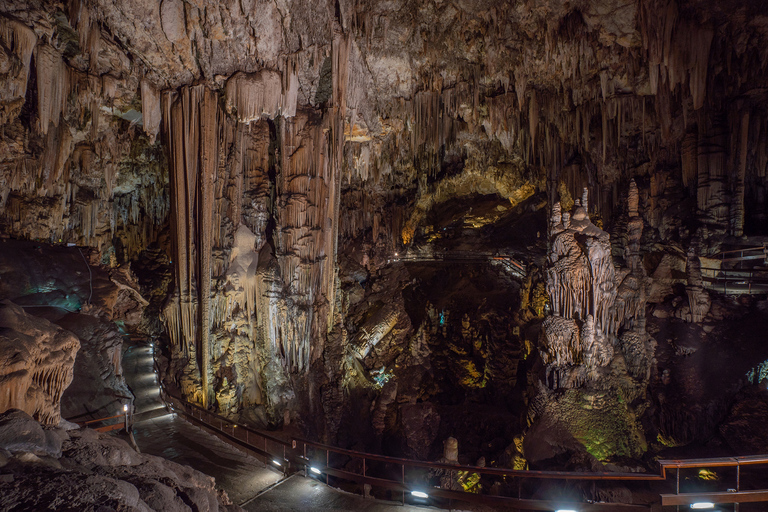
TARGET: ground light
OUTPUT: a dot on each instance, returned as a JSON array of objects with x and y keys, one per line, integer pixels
[
  {"x": 702, "y": 505},
  {"x": 565, "y": 510},
  {"x": 276, "y": 462},
  {"x": 315, "y": 470},
  {"x": 419, "y": 494}
]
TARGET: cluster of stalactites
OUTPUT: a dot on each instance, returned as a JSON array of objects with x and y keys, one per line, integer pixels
[{"x": 266, "y": 93}]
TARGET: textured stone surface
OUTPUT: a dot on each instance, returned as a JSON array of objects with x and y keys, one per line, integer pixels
[
  {"x": 324, "y": 127},
  {"x": 36, "y": 365},
  {"x": 86, "y": 470}
]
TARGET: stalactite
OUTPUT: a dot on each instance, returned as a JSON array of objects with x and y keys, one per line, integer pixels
[
  {"x": 52, "y": 85},
  {"x": 737, "y": 205},
  {"x": 21, "y": 40},
  {"x": 151, "y": 111},
  {"x": 689, "y": 159},
  {"x": 251, "y": 96},
  {"x": 208, "y": 166}
]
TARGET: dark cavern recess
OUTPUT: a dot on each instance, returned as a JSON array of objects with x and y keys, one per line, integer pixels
[{"x": 537, "y": 227}]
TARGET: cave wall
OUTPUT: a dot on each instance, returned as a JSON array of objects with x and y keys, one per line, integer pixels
[{"x": 266, "y": 138}]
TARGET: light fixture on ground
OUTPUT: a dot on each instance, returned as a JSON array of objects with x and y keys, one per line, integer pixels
[
  {"x": 704, "y": 505},
  {"x": 565, "y": 510},
  {"x": 419, "y": 494},
  {"x": 315, "y": 470},
  {"x": 276, "y": 462}
]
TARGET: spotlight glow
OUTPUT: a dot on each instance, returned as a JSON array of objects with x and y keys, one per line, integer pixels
[
  {"x": 275, "y": 462},
  {"x": 315, "y": 470},
  {"x": 419, "y": 494},
  {"x": 125, "y": 407},
  {"x": 565, "y": 510},
  {"x": 702, "y": 505}
]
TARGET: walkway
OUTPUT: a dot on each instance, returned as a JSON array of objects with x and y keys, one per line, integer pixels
[
  {"x": 173, "y": 438},
  {"x": 299, "y": 494}
]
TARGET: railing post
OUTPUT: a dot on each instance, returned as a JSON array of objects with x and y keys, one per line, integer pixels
[
  {"x": 327, "y": 465},
  {"x": 363, "y": 466},
  {"x": 265, "y": 452},
  {"x": 403, "y": 466}
]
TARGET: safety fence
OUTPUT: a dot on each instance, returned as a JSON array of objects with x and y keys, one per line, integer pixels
[
  {"x": 736, "y": 282},
  {"x": 695, "y": 481}
]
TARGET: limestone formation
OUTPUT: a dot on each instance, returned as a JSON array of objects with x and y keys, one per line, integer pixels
[
  {"x": 37, "y": 362},
  {"x": 286, "y": 158}
]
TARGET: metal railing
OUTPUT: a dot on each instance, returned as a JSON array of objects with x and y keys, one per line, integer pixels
[
  {"x": 743, "y": 254},
  {"x": 516, "y": 489},
  {"x": 751, "y": 281},
  {"x": 399, "y": 477}
]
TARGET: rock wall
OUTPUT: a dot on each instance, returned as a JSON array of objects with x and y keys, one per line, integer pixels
[
  {"x": 37, "y": 362},
  {"x": 263, "y": 137},
  {"x": 87, "y": 470}
]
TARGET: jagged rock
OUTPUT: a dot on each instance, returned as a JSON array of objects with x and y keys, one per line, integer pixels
[
  {"x": 20, "y": 433},
  {"x": 36, "y": 363},
  {"x": 93, "y": 471},
  {"x": 744, "y": 429},
  {"x": 98, "y": 383}
]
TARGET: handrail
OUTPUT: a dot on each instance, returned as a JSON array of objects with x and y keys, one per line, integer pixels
[
  {"x": 101, "y": 419},
  {"x": 556, "y": 475},
  {"x": 293, "y": 458},
  {"x": 746, "y": 249}
]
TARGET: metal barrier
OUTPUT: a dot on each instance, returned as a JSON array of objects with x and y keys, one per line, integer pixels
[
  {"x": 400, "y": 477},
  {"x": 754, "y": 281},
  {"x": 108, "y": 427}
]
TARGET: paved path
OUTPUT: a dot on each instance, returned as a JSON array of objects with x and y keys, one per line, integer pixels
[
  {"x": 300, "y": 494},
  {"x": 243, "y": 477},
  {"x": 173, "y": 438}
]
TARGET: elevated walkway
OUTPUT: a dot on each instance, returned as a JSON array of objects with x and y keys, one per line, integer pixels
[
  {"x": 751, "y": 280},
  {"x": 261, "y": 471},
  {"x": 428, "y": 254}
]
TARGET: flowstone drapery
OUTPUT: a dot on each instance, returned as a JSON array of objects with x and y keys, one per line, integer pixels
[
  {"x": 591, "y": 299},
  {"x": 594, "y": 345},
  {"x": 255, "y": 189}
]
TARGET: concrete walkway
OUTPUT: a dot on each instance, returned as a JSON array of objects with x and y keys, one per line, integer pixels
[
  {"x": 301, "y": 494},
  {"x": 242, "y": 476},
  {"x": 169, "y": 436}
]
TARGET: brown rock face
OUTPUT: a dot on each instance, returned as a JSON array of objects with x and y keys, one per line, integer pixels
[
  {"x": 36, "y": 366},
  {"x": 259, "y": 143}
]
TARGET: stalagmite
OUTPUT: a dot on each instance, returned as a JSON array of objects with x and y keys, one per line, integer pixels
[
  {"x": 584, "y": 287},
  {"x": 737, "y": 207}
]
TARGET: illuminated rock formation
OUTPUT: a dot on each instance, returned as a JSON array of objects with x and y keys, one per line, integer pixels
[
  {"x": 267, "y": 149},
  {"x": 37, "y": 361}
]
